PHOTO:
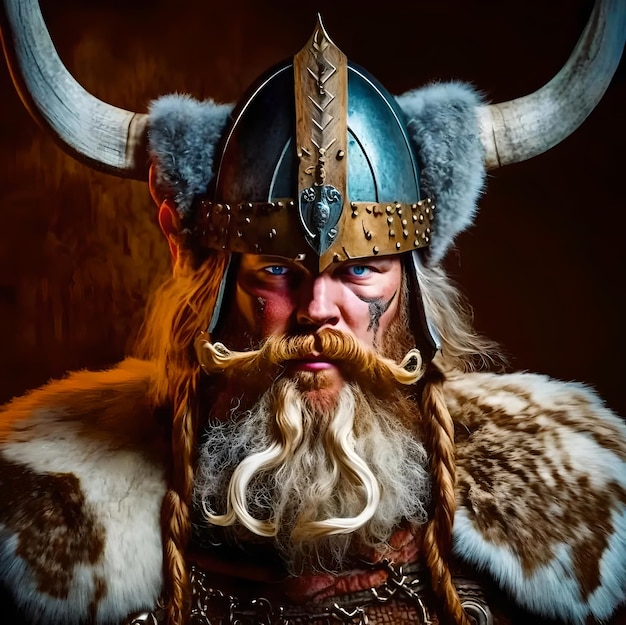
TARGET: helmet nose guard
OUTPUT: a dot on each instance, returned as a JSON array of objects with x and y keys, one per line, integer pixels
[{"x": 316, "y": 161}]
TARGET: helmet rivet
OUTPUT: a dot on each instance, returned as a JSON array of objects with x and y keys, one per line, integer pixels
[
  {"x": 416, "y": 243},
  {"x": 291, "y": 203},
  {"x": 414, "y": 218},
  {"x": 398, "y": 245},
  {"x": 399, "y": 210},
  {"x": 375, "y": 250},
  {"x": 421, "y": 218},
  {"x": 239, "y": 234},
  {"x": 336, "y": 258},
  {"x": 272, "y": 233},
  {"x": 405, "y": 233},
  {"x": 389, "y": 210},
  {"x": 389, "y": 220},
  {"x": 280, "y": 204},
  {"x": 404, "y": 222},
  {"x": 368, "y": 235},
  {"x": 368, "y": 209},
  {"x": 340, "y": 154},
  {"x": 426, "y": 239},
  {"x": 427, "y": 230},
  {"x": 355, "y": 213},
  {"x": 392, "y": 233},
  {"x": 248, "y": 220},
  {"x": 413, "y": 207},
  {"x": 353, "y": 204}
]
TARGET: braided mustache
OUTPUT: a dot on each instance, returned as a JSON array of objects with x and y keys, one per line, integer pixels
[{"x": 361, "y": 363}]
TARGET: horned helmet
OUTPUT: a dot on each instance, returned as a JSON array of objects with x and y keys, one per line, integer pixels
[{"x": 317, "y": 160}]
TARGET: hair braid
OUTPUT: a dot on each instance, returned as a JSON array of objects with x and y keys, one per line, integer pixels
[
  {"x": 180, "y": 310},
  {"x": 175, "y": 514},
  {"x": 439, "y": 430}
]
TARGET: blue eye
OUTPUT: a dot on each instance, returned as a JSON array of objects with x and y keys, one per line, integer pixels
[
  {"x": 276, "y": 270},
  {"x": 359, "y": 270}
]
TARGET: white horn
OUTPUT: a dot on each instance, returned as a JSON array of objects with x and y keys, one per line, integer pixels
[
  {"x": 519, "y": 129},
  {"x": 103, "y": 136}
]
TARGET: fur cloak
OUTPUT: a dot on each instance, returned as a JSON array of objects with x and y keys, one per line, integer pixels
[{"x": 541, "y": 495}]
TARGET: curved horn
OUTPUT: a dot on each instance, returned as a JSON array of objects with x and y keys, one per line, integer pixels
[
  {"x": 519, "y": 129},
  {"x": 103, "y": 136}
]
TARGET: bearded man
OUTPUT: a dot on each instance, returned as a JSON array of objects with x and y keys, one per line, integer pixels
[{"x": 305, "y": 438}]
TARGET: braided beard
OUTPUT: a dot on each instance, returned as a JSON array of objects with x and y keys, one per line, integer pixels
[{"x": 320, "y": 479}]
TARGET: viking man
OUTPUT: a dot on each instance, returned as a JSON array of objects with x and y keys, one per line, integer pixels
[{"x": 310, "y": 433}]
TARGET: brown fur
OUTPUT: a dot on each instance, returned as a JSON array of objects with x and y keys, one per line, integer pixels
[
  {"x": 53, "y": 443},
  {"x": 535, "y": 469}
]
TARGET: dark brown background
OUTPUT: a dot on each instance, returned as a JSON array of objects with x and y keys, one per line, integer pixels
[{"x": 543, "y": 266}]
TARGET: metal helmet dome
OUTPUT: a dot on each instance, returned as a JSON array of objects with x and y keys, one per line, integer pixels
[{"x": 316, "y": 160}]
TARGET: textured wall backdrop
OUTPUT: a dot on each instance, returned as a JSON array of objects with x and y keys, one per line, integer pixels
[{"x": 543, "y": 266}]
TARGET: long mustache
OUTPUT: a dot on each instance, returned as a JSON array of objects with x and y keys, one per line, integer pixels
[{"x": 362, "y": 363}]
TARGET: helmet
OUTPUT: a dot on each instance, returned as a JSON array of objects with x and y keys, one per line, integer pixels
[{"x": 316, "y": 161}]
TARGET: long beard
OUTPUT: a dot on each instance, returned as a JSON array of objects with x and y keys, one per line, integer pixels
[{"x": 320, "y": 480}]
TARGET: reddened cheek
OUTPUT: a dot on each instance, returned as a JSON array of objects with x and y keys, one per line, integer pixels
[
  {"x": 266, "y": 312},
  {"x": 278, "y": 314}
]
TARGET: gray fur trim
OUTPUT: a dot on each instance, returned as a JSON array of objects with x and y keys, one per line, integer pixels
[
  {"x": 443, "y": 126},
  {"x": 183, "y": 135}
]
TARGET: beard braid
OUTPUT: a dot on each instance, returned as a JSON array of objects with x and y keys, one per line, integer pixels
[{"x": 320, "y": 482}]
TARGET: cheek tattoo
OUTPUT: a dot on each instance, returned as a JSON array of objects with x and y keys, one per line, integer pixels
[
  {"x": 377, "y": 310},
  {"x": 259, "y": 311}
]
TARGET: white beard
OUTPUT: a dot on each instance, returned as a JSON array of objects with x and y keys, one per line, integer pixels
[{"x": 312, "y": 479}]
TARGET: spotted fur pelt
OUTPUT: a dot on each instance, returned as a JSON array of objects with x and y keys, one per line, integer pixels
[{"x": 541, "y": 495}]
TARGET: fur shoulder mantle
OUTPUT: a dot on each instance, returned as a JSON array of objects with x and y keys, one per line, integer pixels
[
  {"x": 541, "y": 495},
  {"x": 81, "y": 484},
  {"x": 541, "y": 492}
]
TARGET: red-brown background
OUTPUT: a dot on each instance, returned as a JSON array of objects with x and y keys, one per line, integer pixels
[{"x": 543, "y": 266}]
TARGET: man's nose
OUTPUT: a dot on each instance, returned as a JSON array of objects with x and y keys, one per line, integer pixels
[{"x": 318, "y": 305}]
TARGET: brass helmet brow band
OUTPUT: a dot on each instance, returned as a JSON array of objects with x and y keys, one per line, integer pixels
[{"x": 272, "y": 228}]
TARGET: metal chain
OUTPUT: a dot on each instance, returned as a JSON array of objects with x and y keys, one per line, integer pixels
[{"x": 211, "y": 606}]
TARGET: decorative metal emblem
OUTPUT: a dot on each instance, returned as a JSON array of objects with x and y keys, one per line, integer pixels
[
  {"x": 320, "y": 209},
  {"x": 321, "y": 93}
]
